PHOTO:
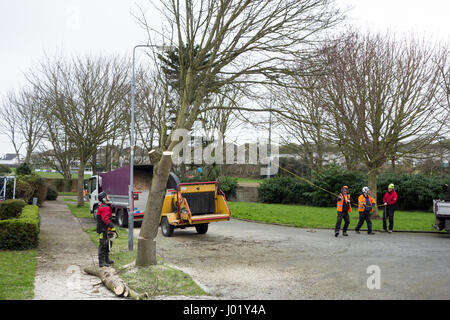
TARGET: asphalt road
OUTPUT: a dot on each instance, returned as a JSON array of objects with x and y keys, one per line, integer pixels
[{"x": 245, "y": 260}]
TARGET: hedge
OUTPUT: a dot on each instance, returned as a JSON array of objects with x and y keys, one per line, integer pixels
[
  {"x": 21, "y": 233},
  {"x": 11, "y": 209},
  {"x": 415, "y": 191},
  {"x": 228, "y": 185},
  {"x": 4, "y": 169}
]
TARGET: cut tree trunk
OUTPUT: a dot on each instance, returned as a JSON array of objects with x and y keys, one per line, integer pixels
[
  {"x": 113, "y": 282},
  {"x": 146, "y": 253}
]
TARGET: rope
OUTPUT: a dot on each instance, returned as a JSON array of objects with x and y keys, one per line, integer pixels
[{"x": 316, "y": 186}]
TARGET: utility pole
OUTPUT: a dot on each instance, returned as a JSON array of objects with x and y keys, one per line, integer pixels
[{"x": 269, "y": 149}]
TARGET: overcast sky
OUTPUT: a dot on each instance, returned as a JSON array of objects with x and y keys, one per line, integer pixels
[{"x": 28, "y": 28}]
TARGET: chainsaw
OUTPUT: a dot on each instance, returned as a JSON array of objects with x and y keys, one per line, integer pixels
[{"x": 112, "y": 235}]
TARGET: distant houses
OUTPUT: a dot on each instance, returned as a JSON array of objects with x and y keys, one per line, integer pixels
[{"x": 11, "y": 159}]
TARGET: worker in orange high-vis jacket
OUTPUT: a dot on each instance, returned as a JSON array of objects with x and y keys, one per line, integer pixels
[
  {"x": 365, "y": 209},
  {"x": 343, "y": 208}
]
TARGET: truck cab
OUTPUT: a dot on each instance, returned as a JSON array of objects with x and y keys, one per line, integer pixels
[{"x": 92, "y": 194}]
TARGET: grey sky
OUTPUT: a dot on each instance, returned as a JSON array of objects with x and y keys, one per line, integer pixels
[{"x": 28, "y": 28}]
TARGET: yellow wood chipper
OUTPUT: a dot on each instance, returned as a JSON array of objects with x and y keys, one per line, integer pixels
[{"x": 193, "y": 205}]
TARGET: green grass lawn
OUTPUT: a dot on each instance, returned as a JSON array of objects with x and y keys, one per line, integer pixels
[
  {"x": 17, "y": 270},
  {"x": 82, "y": 212},
  {"x": 67, "y": 194},
  {"x": 161, "y": 279},
  {"x": 57, "y": 175},
  {"x": 317, "y": 217}
]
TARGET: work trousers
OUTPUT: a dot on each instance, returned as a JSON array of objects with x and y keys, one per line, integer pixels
[
  {"x": 364, "y": 216},
  {"x": 342, "y": 215},
  {"x": 103, "y": 248},
  {"x": 388, "y": 215}
]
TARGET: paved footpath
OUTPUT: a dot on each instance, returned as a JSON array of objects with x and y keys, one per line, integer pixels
[{"x": 64, "y": 250}]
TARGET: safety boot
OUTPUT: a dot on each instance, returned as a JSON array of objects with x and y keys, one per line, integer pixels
[
  {"x": 102, "y": 261},
  {"x": 108, "y": 261}
]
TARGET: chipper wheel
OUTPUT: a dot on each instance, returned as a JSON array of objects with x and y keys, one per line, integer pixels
[
  {"x": 201, "y": 228},
  {"x": 166, "y": 227}
]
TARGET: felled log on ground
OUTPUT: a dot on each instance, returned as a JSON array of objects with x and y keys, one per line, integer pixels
[{"x": 113, "y": 282}]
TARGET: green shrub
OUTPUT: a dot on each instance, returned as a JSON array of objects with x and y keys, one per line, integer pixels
[
  {"x": 195, "y": 178},
  {"x": 21, "y": 233},
  {"x": 228, "y": 185},
  {"x": 4, "y": 169},
  {"x": 332, "y": 179},
  {"x": 11, "y": 209},
  {"x": 36, "y": 185},
  {"x": 415, "y": 191},
  {"x": 52, "y": 193},
  {"x": 284, "y": 190},
  {"x": 24, "y": 190},
  {"x": 23, "y": 169}
]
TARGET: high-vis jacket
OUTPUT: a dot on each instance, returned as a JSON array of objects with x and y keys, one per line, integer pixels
[
  {"x": 340, "y": 204},
  {"x": 362, "y": 203}
]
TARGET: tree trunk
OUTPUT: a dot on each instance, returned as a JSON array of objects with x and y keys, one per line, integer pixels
[
  {"x": 372, "y": 179},
  {"x": 113, "y": 282},
  {"x": 146, "y": 253},
  {"x": 94, "y": 163},
  {"x": 80, "y": 184},
  {"x": 67, "y": 182}
]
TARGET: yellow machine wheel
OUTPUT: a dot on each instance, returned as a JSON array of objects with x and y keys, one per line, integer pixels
[
  {"x": 166, "y": 227},
  {"x": 201, "y": 228}
]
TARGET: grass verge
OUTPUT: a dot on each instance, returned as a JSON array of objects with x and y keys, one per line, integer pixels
[
  {"x": 67, "y": 194},
  {"x": 80, "y": 212},
  {"x": 248, "y": 180},
  {"x": 17, "y": 270},
  {"x": 157, "y": 280},
  {"x": 318, "y": 217}
]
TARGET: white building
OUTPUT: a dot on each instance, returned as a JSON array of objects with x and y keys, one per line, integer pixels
[{"x": 10, "y": 159}]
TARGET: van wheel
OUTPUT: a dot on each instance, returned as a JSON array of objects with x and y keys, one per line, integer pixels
[
  {"x": 166, "y": 227},
  {"x": 122, "y": 218},
  {"x": 94, "y": 213},
  {"x": 201, "y": 228}
]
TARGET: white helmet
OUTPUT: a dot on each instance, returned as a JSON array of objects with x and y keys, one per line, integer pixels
[{"x": 365, "y": 190}]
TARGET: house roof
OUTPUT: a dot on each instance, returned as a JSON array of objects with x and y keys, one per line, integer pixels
[{"x": 9, "y": 156}]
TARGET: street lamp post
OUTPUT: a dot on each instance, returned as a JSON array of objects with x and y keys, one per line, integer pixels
[
  {"x": 130, "y": 187},
  {"x": 270, "y": 139}
]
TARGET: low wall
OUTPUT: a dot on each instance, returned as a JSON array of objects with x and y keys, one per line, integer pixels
[
  {"x": 62, "y": 186},
  {"x": 246, "y": 193}
]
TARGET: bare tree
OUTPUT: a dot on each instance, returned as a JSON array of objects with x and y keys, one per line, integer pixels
[
  {"x": 306, "y": 122},
  {"x": 22, "y": 121},
  {"x": 383, "y": 97},
  {"x": 61, "y": 151},
  {"x": 9, "y": 124},
  {"x": 84, "y": 94},
  {"x": 240, "y": 42}
]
